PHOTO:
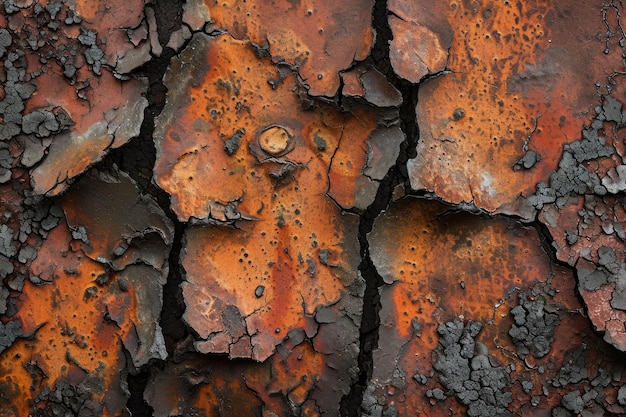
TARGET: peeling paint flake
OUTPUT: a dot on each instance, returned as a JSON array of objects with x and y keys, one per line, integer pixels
[
  {"x": 60, "y": 60},
  {"x": 319, "y": 38},
  {"x": 514, "y": 86}
]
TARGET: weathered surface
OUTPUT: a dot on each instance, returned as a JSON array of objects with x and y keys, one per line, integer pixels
[
  {"x": 584, "y": 212},
  {"x": 318, "y": 38},
  {"x": 286, "y": 250},
  {"x": 422, "y": 37},
  {"x": 495, "y": 125},
  {"x": 473, "y": 313},
  {"x": 283, "y": 247},
  {"x": 300, "y": 379},
  {"x": 94, "y": 292},
  {"x": 62, "y": 64}
]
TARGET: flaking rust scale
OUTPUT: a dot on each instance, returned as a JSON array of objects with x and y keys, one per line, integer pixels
[
  {"x": 310, "y": 208},
  {"x": 512, "y": 84},
  {"x": 276, "y": 226},
  {"x": 318, "y": 38},
  {"x": 88, "y": 303},
  {"x": 64, "y": 83},
  {"x": 492, "y": 346}
]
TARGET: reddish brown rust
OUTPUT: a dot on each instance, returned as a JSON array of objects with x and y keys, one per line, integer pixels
[
  {"x": 319, "y": 38},
  {"x": 421, "y": 38},
  {"x": 293, "y": 382},
  {"x": 83, "y": 51},
  {"x": 73, "y": 342},
  {"x": 95, "y": 292},
  {"x": 279, "y": 126},
  {"x": 514, "y": 85},
  {"x": 449, "y": 265},
  {"x": 243, "y": 126}
]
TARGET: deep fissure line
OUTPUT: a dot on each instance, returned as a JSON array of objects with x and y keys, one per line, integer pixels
[
  {"x": 397, "y": 175},
  {"x": 137, "y": 158}
]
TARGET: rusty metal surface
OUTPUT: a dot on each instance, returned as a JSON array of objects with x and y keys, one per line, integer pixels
[
  {"x": 359, "y": 208},
  {"x": 94, "y": 292},
  {"x": 587, "y": 221},
  {"x": 292, "y": 252},
  {"x": 513, "y": 94},
  {"x": 298, "y": 380},
  {"x": 318, "y": 38},
  {"x": 64, "y": 67},
  {"x": 466, "y": 289}
]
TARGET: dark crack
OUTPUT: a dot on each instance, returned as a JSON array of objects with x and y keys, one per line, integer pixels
[
  {"x": 395, "y": 177},
  {"x": 137, "y": 158}
]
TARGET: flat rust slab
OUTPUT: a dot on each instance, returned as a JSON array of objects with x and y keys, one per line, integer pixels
[
  {"x": 422, "y": 37},
  {"x": 474, "y": 301},
  {"x": 495, "y": 125},
  {"x": 320, "y": 39},
  {"x": 292, "y": 251}
]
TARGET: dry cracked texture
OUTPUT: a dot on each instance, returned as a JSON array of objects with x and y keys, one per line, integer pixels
[
  {"x": 279, "y": 141},
  {"x": 94, "y": 296},
  {"x": 318, "y": 38},
  {"x": 286, "y": 249}
]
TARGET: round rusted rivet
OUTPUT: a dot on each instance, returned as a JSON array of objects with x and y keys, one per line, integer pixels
[{"x": 275, "y": 140}]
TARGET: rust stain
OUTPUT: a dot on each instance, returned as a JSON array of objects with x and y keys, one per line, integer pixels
[
  {"x": 421, "y": 38},
  {"x": 515, "y": 86},
  {"x": 74, "y": 93},
  {"x": 72, "y": 343},
  {"x": 319, "y": 38},
  {"x": 456, "y": 266}
]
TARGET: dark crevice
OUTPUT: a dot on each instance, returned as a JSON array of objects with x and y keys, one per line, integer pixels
[
  {"x": 397, "y": 175},
  {"x": 136, "y": 386},
  {"x": 174, "y": 329},
  {"x": 370, "y": 320},
  {"x": 137, "y": 158}
]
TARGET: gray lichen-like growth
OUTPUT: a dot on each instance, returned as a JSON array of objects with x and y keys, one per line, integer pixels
[
  {"x": 572, "y": 177},
  {"x": 533, "y": 330},
  {"x": 467, "y": 370}
]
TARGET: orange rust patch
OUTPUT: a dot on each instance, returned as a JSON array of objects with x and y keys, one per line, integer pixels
[
  {"x": 72, "y": 340},
  {"x": 298, "y": 378},
  {"x": 319, "y": 38},
  {"x": 515, "y": 85},
  {"x": 291, "y": 250}
]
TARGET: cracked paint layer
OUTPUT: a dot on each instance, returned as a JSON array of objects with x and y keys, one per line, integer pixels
[
  {"x": 513, "y": 85},
  {"x": 477, "y": 319},
  {"x": 67, "y": 95},
  {"x": 287, "y": 250},
  {"x": 318, "y": 38},
  {"x": 94, "y": 292}
]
